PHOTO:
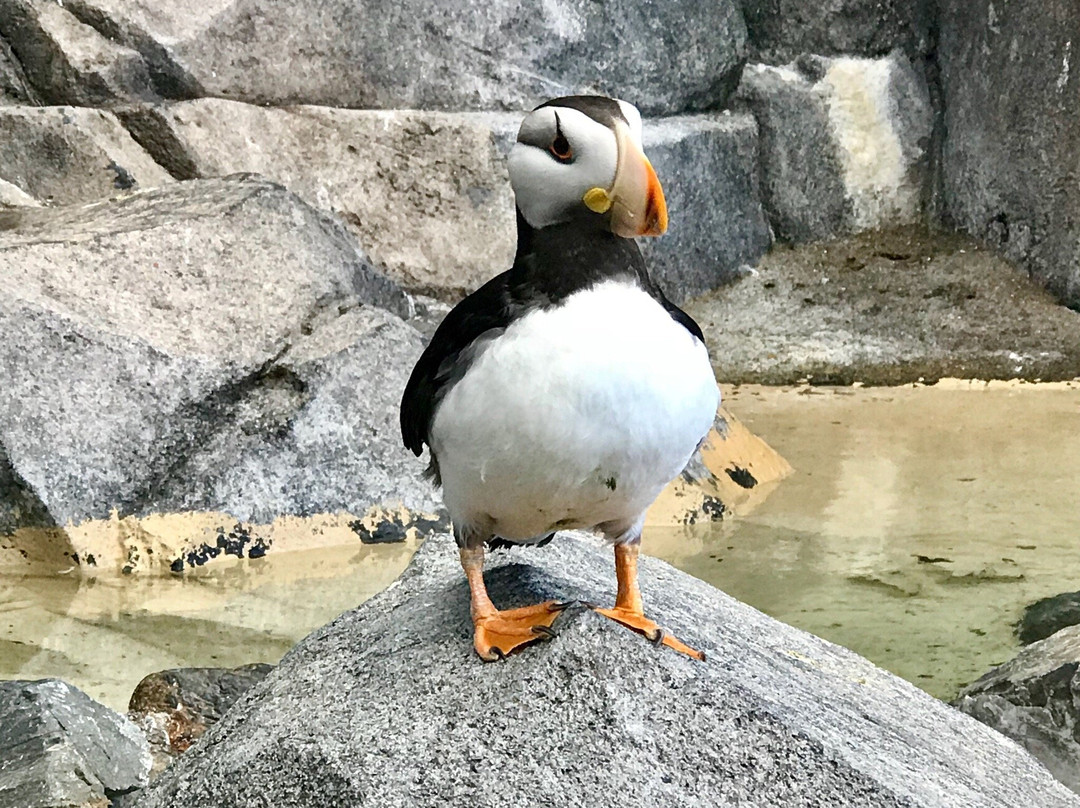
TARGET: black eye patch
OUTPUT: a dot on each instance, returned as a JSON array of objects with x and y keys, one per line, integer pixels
[{"x": 560, "y": 146}]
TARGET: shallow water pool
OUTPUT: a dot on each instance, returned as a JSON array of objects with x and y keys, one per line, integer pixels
[{"x": 918, "y": 523}]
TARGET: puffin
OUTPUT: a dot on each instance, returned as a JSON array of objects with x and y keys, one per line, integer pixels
[{"x": 568, "y": 391}]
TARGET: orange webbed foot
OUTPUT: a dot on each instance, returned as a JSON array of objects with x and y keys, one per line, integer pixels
[
  {"x": 636, "y": 621},
  {"x": 498, "y": 633}
]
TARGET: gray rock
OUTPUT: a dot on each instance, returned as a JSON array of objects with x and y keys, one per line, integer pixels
[
  {"x": 14, "y": 88},
  {"x": 1011, "y": 75},
  {"x": 426, "y": 193},
  {"x": 69, "y": 155},
  {"x": 59, "y": 748},
  {"x": 669, "y": 57},
  {"x": 69, "y": 62},
  {"x": 1033, "y": 699},
  {"x": 209, "y": 345},
  {"x": 844, "y": 144},
  {"x": 885, "y": 308},
  {"x": 174, "y": 708},
  {"x": 317, "y": 433},
  {"x": 388, "y": 706},
  {"x": 707, "y": 166},
  {"x": 1048, "y": 616},
  {"x": 781, "y": 30}
]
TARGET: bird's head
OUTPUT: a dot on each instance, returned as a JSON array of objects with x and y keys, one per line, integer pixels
[{"x": 580, "y": 158}]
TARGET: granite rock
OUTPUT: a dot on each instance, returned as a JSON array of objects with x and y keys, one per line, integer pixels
[
  {"x": 1033, "y": 699},
  {"x": 388, "y": 705},
  {"x": 61, "y": 749},
  {"x": 1048, "y": 616},
  {"x": 844, "y": 144},
  {"x": 1011, "y": 91},
  {"x": 70, "y": 155},
  {"x": 885, "y": 308},
  {"x": 717, "y": 226},
  {"x": 174, "y": 708},
  {"x": 211, "y": 345},
  {"x": 69, "y": 62},
  {"x": 781, "y": 30},
  {"x": 668, "y": 57},
  {"x": 12, "y": 196},
  {"x": 14, "y": 88},
  {"x": 428, "y": 192}
]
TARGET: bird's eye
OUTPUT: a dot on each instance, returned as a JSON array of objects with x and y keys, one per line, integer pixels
[{"x": 560, "y": 148}]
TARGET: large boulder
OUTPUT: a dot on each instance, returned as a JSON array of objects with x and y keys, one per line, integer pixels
[
  {"x": 844, "y": 143},
  {"x": 69, "y": 155},
  {"x": 61, "y": 749},
  {"x": 69, "y": 62},
  {"x": 1034, "y": 699},
  {"x": 781, "y": 30},
  {"x": 1012, "y": 90},
  {"x": 668, "y": 57},
  {"x": 389, "y": 706},
  {"x": 209, "y": 346},
  {"x": 428, "y": 192}
]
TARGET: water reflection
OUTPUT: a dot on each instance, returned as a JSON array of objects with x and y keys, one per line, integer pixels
[
  {"x": 105, "y": 634},
  {"x": 918, "y": 524}
]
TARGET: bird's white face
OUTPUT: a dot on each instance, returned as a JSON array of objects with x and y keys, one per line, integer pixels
[{"x": 581, "y": 156}]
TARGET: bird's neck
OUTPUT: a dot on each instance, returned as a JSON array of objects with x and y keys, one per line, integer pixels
[{"x": 581, "y": 245}]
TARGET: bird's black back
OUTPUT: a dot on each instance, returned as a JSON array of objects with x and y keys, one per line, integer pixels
[{"x": 551, "y": 264}]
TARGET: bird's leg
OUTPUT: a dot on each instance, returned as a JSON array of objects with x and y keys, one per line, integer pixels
[
  {"x": 497, "y": 633},
  {"x": 628, "y": 608}
]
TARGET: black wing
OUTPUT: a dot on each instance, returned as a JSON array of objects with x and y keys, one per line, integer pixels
[
  {"x": 677, "y": 314},
  {"x": 489, "y": 308}
]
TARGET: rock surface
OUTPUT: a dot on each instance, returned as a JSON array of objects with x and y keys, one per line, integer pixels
[
  {"x": 72, "y": 155},
  {"x": 843, "y": 144},
  {"x": 61, "y": 749},
  {"x": 388, "y": 705},
  {"x": 426, "y": 193},
  {"x": 12, "y": 196},
  {"x": 14, "y": 89},
  {"x": 69, "y": 62},
  {"x": 670, "y": 57},
  {"x": 781, "y": 30},
  {"x": 717, "y": 226},
  {"x": 1049, "y": 616},
  {"x": 887, "y": 308},
  {"x": 212, "y": 345},
  {"x": 1033, "y": 699},
  {"x": 1011, "y": 76},
  {"x": 175, "y": 707}
]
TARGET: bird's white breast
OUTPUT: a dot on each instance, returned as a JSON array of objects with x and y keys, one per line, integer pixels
[{"x": 575, "y": 416}]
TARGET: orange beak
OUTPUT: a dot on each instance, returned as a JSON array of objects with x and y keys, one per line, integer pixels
[{"x": 637, "y": 200}]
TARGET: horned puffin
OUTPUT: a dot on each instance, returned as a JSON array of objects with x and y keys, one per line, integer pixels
[{"x": 568, "y": 391}]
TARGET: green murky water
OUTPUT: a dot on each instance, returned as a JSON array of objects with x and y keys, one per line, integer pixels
[{"x": 918, "y": 524}]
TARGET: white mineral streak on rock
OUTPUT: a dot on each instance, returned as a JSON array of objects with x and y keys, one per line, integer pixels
[{"x": 864, "y": 123}]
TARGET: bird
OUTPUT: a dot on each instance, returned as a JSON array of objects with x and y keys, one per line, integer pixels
[{"x": 566, "y": 392}]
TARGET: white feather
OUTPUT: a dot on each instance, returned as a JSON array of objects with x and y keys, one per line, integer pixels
[{"x": 574, "y": 417}]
